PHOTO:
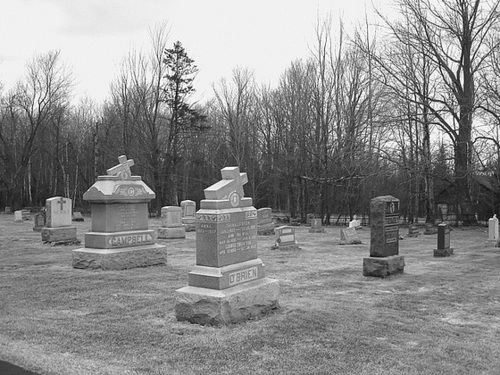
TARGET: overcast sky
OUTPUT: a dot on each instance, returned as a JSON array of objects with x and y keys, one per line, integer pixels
[{"x": 95, "y": 35}]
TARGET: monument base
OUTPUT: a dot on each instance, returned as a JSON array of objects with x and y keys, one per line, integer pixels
[
  {"x": 120, "y": 259},
  {"x": 265, "y": 229},
  {"x": 316, "y": 230},
  {"x": 189, "y": 224},
  {"x": 492, "y": 243},
  {"x": 220, "y": 307},
  {"x": 383, "y": 267},
  {"x": 294, "y": 246},
  {"x": 167, "y": 233},
  {"x": 443, "y": 252},
  {"x": 60, "y": 236}
]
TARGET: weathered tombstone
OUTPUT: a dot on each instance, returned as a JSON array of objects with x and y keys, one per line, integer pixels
[
  {"x": 39, "y": 221},
  {"x": 384, "y": 257},
  {"x": 265, "y": 223},
  {"x": 228, "y": 283},
  {"x": 355, "y": 223},
  {"x": 430, "y": 229},
  {"x": 171, "y": 219},
  {"x": 7, "y": 209},
  {"x": 188, "y": 208},
  {"x": 349, "y": 236},
  {"x": 443, "y": 241},
  {"x": 119, "y": 237},
  {"x": 285, "y": 238},
  {"x": 18, "y": 216},
  {"x": 493, "y": 235},
  {"x": 26, "y": 213},
  {"x": 77, "y": 216},
  {"x": 58, "y": 229},
  {"x": 309, "y": 217},
  {"x": 413, "y": 231},
  {"x": 316, "y": 226}
]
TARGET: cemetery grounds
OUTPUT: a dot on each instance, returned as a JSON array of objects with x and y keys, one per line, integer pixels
[{"x": 441, "y": 317}]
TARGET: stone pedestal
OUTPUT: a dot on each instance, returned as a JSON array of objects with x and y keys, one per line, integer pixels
[
  {"x": 383, "y": 267},
  {"x": 228, "y": 283},
  {"x": 120, "y": 259},
  {"x": 60, "y": 236},
  {"x": 443, "y": 252},
  {"x": 119, "y": 237},
  {"x": 220, "y": 307}
]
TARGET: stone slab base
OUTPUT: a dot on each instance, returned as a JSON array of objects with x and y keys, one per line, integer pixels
[
  {"x": 492, "y": 243},
  {"x": 383, "y": 267},
  {"x": 316, "y": 230},
  {"x": 61, "y": 235},
  {"x": 294, "y": 246},
  {"x": 120, "y": 259},
  {"x": 167, "y": 233},
  {"x": 228, "y": 276},
  {"x": 220, "y": 307},
  {"x": 443, "y": 252},
  {"x": 265, "y": 229}
]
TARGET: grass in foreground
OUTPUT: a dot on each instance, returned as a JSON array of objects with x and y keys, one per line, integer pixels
[{"x": 440, "y": 317}]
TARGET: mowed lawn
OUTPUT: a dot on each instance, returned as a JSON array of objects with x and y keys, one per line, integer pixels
[{"x": 441, "y": 317}]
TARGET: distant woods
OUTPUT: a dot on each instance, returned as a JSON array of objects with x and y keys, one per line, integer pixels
[{"x": 410, "y": 109}]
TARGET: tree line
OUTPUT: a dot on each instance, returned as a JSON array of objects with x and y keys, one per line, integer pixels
[{"x": 408, "y": 109}]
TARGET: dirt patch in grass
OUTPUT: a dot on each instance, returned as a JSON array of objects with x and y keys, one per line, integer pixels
[{"x": 440, "y": 317}]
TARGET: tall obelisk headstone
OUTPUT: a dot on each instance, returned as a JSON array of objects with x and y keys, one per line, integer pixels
[
  {"x": 119, "y": 237},
  {"x": 228, "y": 283},
  {"x": 384, "y": 257}
]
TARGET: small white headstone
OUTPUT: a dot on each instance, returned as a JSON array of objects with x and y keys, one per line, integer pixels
[
  {"x": 18, "y": 216},
  {"x": 171, "y": 216},
  {"x": 58, "y": 212},
  {"x": 493, "y": 228}
]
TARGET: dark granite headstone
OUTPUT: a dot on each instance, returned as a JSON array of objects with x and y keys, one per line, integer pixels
[
  {"x": 39, "y": 221},
  {"x": 384, "y": 244},
  {"x": 443, "y": 241}
]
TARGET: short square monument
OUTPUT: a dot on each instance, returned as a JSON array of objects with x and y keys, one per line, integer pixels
[
  {"x": 316, "y": 226},
  {"x": 493, "y": 236},
  {"x": 58, "y": 228},
  {"x": 188, "y": 208},
  {"x": 228, "y": 283},
  {"x": 384, "y": 257},
  {"x": 119, "y": 237},
  {"x": 285, "y": 238},
  {"x": 443, "y": 241},
  {"x": 171, "y": 223},
  {"x": 265, "y": 223}
]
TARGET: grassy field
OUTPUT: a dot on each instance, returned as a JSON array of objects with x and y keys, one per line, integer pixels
[{"x": 441, "y": 317}]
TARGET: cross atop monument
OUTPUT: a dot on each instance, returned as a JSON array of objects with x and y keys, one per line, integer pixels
[
  {"x": 121, "y": 170},
  {"x": 232, "y": 181}
]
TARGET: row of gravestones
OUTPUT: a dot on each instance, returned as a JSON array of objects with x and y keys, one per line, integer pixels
[{"x": 228, "y": 283}]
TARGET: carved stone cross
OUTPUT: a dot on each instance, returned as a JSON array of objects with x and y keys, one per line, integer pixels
[
  {"x": 61, "y": 203},
  {"x": 232, "y": 181},
  {"x": 121, "y": 170}
]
